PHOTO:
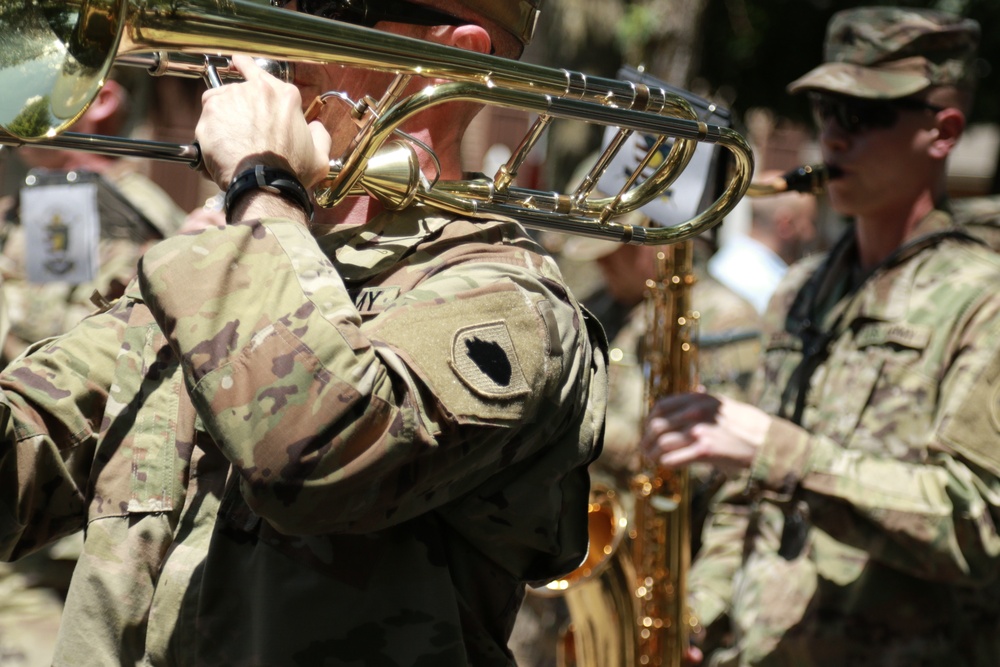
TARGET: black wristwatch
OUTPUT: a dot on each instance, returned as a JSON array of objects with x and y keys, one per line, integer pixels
[{"x": 276, "y": 181}]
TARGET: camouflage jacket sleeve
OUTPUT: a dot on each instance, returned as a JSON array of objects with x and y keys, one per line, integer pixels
[
  {"x": 934, "y": 518},
  {"x": 327, "y": 421},
  {"x": 712, "y": 573},
  {"x": 51, "y": 409}
]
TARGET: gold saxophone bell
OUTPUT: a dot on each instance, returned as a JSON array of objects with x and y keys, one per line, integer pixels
[
  {"x": 599, "y": 592},
  {"x": 56, "y": 54}
]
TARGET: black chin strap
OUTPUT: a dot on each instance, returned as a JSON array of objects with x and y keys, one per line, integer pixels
[{"x": 816, "y": 342}]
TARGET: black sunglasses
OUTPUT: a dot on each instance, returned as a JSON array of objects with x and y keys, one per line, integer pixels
[
  {"x": 855, "y": 115},
  {"x": 367, "y": 14}
]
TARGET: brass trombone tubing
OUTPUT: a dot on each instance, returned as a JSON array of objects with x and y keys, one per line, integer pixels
[
  {"x": 241, "y": 26},
  {"x": 300, "y": 37},
  {"x": 284, "y": 35},
  {"x": 386, "y": 125},
  {"x": 550, "y": 211},
  {"x": 188, "y": 154}
]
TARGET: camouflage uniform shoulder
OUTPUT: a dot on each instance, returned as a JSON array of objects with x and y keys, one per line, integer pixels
[
  {"x": 150, "y": 199},
  {"x": 954, "y": 247},
  {"x": 721, "y": 308},
  {"x": 494, "y": 230},
  {"x": 980, "y": 216},
  {"x": 800, "y": 271},
  {"x": 784, "y": 295},
  {"x": 492, "y": 239}
]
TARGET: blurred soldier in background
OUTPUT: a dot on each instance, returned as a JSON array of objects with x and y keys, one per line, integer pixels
[
  {"x": 782, "y": 227},
  {"x": 728, "y": 349},
  {"x": 94, "y": 215},
  {"x": 863, "y": 529},
  {"x": 728, "y": 344}
]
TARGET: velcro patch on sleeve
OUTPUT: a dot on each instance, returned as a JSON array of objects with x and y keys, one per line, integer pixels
[{"x": 483, "y": 356}]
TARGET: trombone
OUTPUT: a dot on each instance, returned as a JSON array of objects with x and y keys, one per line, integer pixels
[{"x": 56, "y": 54}]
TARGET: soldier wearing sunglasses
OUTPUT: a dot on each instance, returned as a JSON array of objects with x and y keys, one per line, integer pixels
[
  {"x": 863, "y": 528},
  {"x": 341, "y": 437}
]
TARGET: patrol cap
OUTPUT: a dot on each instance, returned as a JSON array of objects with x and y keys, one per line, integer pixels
[
  {"x": 893, "y": 52},
  {"x": 518, "y": 17}
]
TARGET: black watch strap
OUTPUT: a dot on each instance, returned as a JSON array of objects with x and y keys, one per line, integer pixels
[{"x": 270, "y": 179}]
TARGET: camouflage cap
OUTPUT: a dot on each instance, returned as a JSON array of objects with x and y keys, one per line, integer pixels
[
  {"x": 517, "y": 17},
  {"x": 893, "y": 52}
]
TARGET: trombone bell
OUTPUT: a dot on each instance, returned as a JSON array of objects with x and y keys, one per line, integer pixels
[{"x": 55, "y": 56}]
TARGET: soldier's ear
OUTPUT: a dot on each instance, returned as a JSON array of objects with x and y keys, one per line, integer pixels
[
  {"x": 949, "y": 125},
  {"x": 104, "y": 113}
]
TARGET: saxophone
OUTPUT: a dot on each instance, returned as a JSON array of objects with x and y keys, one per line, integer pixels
[
  {"x": 627, "y": 600},
  {"x": 661, "y": 533}
]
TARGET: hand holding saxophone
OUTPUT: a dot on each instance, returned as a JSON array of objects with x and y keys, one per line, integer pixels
[
  {"x": 260, "y": 121},
  {"x": 687, "y": 428}
]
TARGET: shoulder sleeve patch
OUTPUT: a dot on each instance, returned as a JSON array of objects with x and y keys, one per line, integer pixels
[{"x": 483, "y": 356}]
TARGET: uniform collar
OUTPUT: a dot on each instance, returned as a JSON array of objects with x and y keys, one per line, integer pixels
[
  {"x": 890, "y": 300},
  {"x": 938, "y": 220},
  {"x": 886, "y": 302}
]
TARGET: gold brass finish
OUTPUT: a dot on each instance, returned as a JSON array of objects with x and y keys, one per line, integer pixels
[
  {"x": 627, "y": 602},
  {"x": 661, "y": 534},
  {"x": 599, "y": 592},
  {"x": 56, "y": 54}
]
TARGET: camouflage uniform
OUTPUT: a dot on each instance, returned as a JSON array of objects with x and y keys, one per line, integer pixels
[
  {"x": 893, "y": 52},
  {"x": 864, "y": 533},
  {"x": 867, "y": 535},
  {"x": 980, "y": 216},
  {"x": 731, "y": 326},
  {"x": 32, "y": 589},
  {"x": 38, "y": 311},
  {"x": 349, "y": 450}
]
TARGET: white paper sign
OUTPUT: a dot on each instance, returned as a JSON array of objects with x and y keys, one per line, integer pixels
[
  {"x": 61, "y": 232},
  {"x": 678, "y": 203},
  {"x": 694, "y": 189}
]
